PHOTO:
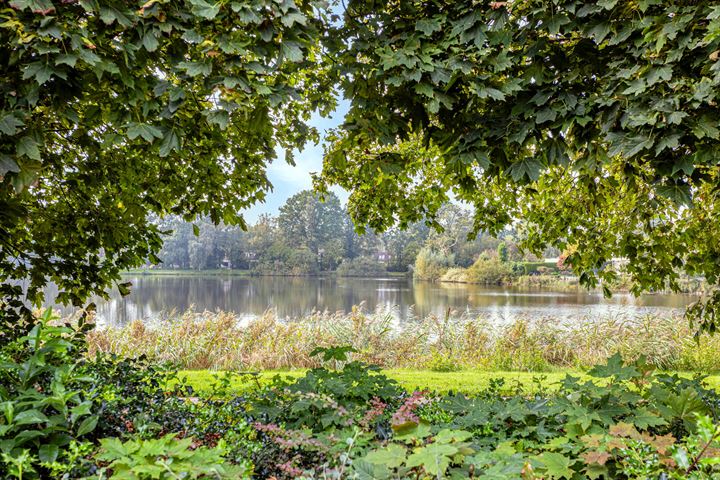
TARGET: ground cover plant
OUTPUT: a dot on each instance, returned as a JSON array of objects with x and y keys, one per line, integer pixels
[
  {"x": 113, "y": 417},
  {"x": 218, "y": 340}
]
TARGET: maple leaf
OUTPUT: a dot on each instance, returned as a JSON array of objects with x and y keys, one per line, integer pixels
[{"x": 596, "y": 456}]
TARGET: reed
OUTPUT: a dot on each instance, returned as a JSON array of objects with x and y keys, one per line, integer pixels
[{"x": 219, "y": 340}]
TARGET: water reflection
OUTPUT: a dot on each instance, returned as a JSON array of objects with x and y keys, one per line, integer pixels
[{"x": 293, "y": 297}]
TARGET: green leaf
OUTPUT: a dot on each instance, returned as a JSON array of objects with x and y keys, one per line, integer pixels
[
  {"x": 614, "y": 367},
  {"x": 545, "y": 115},
  {"x": 29, "y": 417},
  {"x": 679, "y": 194},
  {"x": 7, "y": 164},
  {"x": 28, "y": 147},
  {"x": 87, "y": 425},
  {"x": 170, "y": 142},
  {"x": 684, "y": 164},
  {"x": 526, "y": 168},
  {"x": 124, "y": 288},
  {"x": 40, "y": 71},
  {"x": 391, "y": 456},
  {"x": 9, "y": 124},
  {"x": 433, "y": 458},
  {"x": 150, "y": 41},
  {"x": 644, "y": 419},
  {"x": 425, "y": 89},
  {"x": 196, "y": 230},
  {"x": 705, "y": 127},
  {"x": 556, "y": 465},
  {"x": 196, "y": 68},
  {"x": 204, "y": 9},
  {"x": 292, "y": 51},
  {"x": 428, "y": 25},
  {"x": 147, "y": 132},
  {"x": 48, "y": 453},
  {"x": 219, "y": 117}
]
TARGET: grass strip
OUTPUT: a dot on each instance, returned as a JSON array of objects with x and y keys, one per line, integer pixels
[{"x": 466, "y": 381}]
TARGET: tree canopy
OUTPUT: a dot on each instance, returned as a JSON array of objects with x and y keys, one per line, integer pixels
[
  {"x": 595, "y": 123},
  {"x": 110, "y": 112}
]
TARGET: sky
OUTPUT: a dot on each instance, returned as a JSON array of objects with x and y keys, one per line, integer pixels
[{"x": 288, "y": 180}]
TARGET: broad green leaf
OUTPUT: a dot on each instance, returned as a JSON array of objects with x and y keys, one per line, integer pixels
[
  {"x": 679, "y": 194},
  {"x": 147, "y": 132},
  {"x": 556, "y": 465},
  {"x": 9, "y": 124},
  {"x": 205, "y": 9},
  {"x": 170, "y": 142},
  {"x": 527, "y": 168},
  {"x": 428, "y": 25},
  {"x": 433, "y": 458},
  {"x": 28, "y": 147},
  {"x": 292, "y": 51},
  {"x": 392, "y": 456}
]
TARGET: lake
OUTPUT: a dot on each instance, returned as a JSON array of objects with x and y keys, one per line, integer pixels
[{"x": 157, "y": 295}]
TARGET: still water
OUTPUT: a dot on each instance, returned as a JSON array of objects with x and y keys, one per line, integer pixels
[{"x": 291, "y": 297}]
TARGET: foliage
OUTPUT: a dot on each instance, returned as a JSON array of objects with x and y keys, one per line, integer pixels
[
  {"x": 592, "y": 123},
  {"x": 110, "y": 112},
  {"x": 360, "y": 267},
  {"x": 219, "y": 341},
  {"x": 46, "y": 401},
  {"x": 164, "y": 458},
  {"x": 431, "y": 265}
]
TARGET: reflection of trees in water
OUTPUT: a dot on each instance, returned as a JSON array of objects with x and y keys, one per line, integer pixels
[{"x": 292, "y": 297}]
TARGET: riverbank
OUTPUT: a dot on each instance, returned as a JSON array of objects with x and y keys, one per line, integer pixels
[
  {"x": 238, "y": 272},
  {"x": 220, "y": 340}
]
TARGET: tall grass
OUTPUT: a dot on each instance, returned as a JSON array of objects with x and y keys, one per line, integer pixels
[{"x": 218, "y": 340}]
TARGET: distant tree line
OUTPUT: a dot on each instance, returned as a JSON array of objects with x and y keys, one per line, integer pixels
[{"x": 310, "y": 236}]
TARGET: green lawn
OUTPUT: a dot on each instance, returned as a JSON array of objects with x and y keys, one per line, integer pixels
[{"x": 468, "y": 381}]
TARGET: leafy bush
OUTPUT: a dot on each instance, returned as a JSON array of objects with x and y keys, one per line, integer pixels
[
  {"x": 431, "y": 265},
  {"x": 45, "y": 399},
  {"x": 488, "y": 270},
  {"x": 360, "y": 267},
  {"x": 163, "y": 459}
]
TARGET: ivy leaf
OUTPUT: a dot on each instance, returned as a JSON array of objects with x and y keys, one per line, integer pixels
[
  {"x": 679, "y": 194},
  {"x": 28, "y": 147},
  {"x": 9, "y": 124},
  {"x": 527, "y": 167},
  {"x": 147, "y": 132}
]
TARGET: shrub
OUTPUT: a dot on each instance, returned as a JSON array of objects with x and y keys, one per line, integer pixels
[
  {"x": 431, "y": 265},
  {"x": 489, "y": 271},
  {"x": 165, "y": 458},
  {"x": 361, "y": 267}
]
